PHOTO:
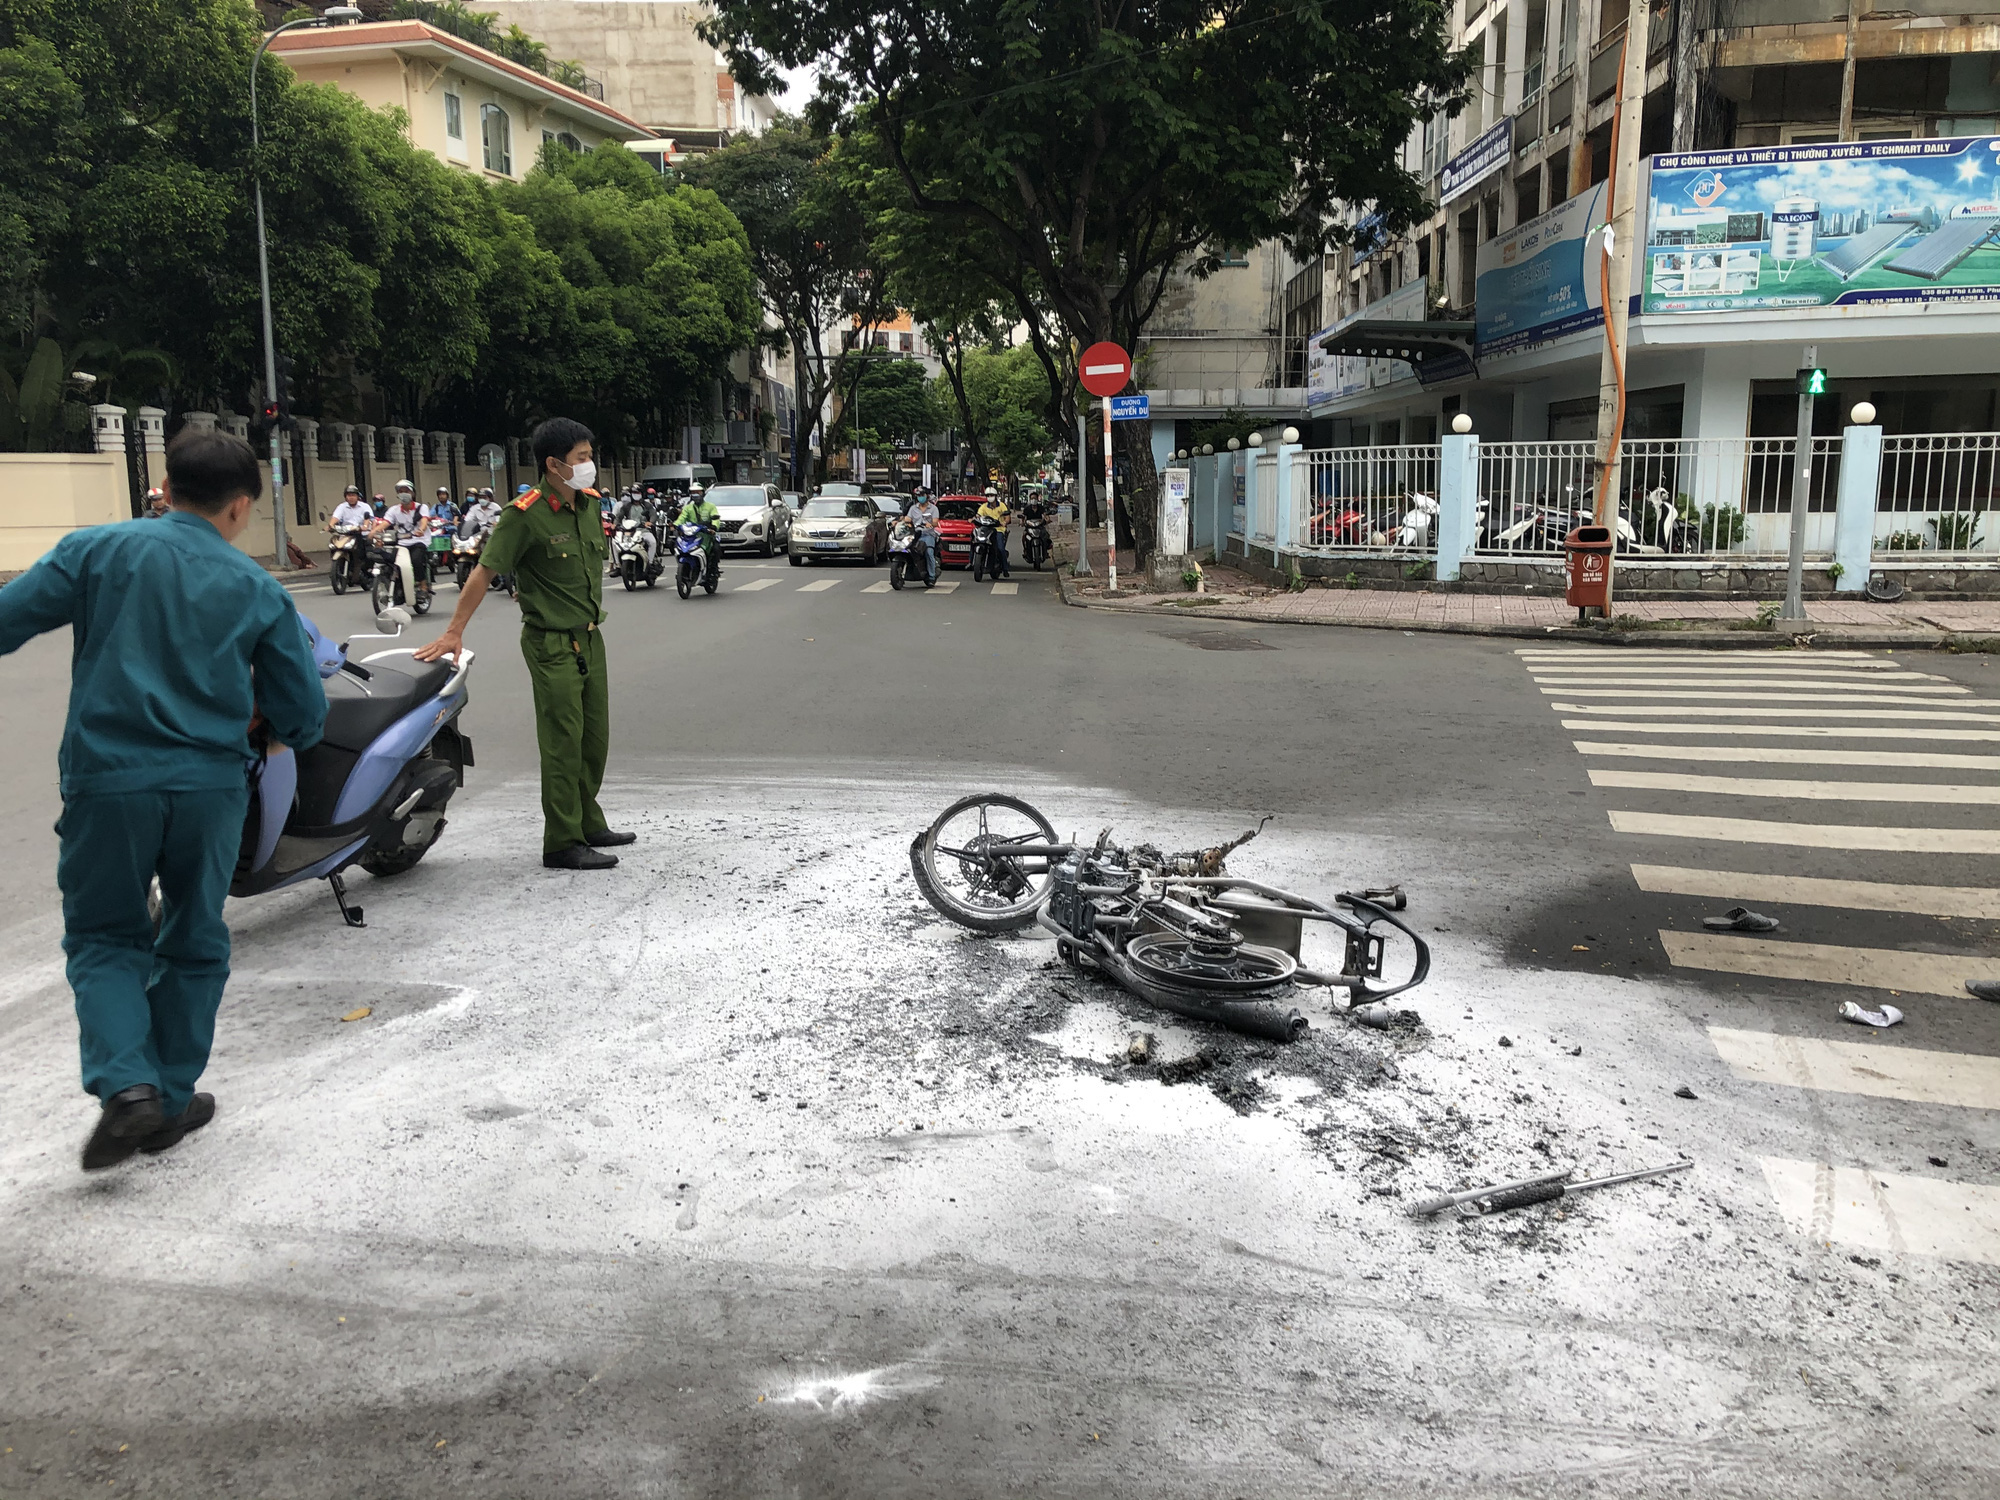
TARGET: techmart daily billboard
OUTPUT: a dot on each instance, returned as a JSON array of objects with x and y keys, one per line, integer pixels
[
  {"x": 1823, "y": 226},
  {"x": 1541, "y": 279}
]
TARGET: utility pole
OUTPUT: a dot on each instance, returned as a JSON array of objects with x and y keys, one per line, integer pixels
[
  {"x": 1847, "y": 71},
  {"x": 1081, "y": 569},
  {"x": 1812, "y": 380},
  {"x": 1621, "y": 223},
  {"x": 1687, "y": 37}
]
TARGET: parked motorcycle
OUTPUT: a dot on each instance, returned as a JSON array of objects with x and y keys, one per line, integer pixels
[
  {"x": 1035, "y": 546},
  {"x": 985, "y": 546},
  {"x": 693, "y": 563},
  {"x": 347, "y": 564},
  {"x": 374, "y": 791},
  {"x": 393, "y": 576},
  {"x": 909, "y": 558},
  {"x": 1176, "y": 930},
  {"x": 1416, "y": 528},
  {"x": 635, "y": 552}
]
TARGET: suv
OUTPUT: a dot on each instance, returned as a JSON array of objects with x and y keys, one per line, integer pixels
[{"x": 753, "y": 515}]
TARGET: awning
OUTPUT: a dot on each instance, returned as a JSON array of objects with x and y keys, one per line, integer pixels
[{"x": 1435, "y": 350}]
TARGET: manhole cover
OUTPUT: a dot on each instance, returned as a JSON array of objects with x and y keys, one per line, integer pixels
[{"x": 1222, "y": 640}]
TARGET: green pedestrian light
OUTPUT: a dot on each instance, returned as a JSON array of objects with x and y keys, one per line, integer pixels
[{"x": 1812, "y": 382}]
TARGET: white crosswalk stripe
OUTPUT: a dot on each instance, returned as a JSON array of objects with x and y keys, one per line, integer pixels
[
  {"x": 1817, "y": 791},
  {"x": 1006, "y": 588},
  {"x": 947, "y": 586},
  {"x": 754, "y": 585},
  {"x": 880, "y": 586},
  {"x": 819, "y": 586},
  {"x": 1727, "y": 706}
]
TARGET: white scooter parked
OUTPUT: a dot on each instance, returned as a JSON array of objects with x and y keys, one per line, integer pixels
[{"x": 1416, "y": 527}]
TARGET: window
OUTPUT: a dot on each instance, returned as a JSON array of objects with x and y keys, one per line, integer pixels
[
  {"x": 496, "y": 135},
  {"x": 903, "y": 342},
  {"x": 454, "y": 117}
]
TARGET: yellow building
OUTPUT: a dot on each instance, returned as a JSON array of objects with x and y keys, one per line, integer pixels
[{"x": 467, "y": 106}]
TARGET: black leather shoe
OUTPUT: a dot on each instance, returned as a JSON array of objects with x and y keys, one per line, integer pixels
[
  {"x": 200, "y": 1110},
  {"x": 578, "y": 857},
  {"x": 128, "y": 1117},
  {"x": 610, "y": 838},
  {"x": 1983, "y": 989}
]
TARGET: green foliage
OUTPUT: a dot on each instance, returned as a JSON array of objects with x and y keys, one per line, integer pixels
[
  {"x": 127, "y": 236},
  {"x": 1835, "y": 572},
  {"x": 1234, "y": 423},
  {"x": 478, "y": 27},
  {"x": 1721, "y": 527},
  {"x": 1956, "y": 531},
  {"x": 890, "y": 402},
  {"x": 1901, "y": 541},
  {"x": 1767, "y": 615},
  {"x": 1005, "y": 411}
]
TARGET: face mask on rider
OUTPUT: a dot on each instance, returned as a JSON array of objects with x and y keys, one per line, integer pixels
[{"x": 583, "y": 476}]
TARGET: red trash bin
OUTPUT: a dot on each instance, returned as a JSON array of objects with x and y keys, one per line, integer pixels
[{"x": 1588, "y": 549}]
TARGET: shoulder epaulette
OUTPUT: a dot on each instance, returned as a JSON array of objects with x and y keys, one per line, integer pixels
[{"x": 527, "y": 501}]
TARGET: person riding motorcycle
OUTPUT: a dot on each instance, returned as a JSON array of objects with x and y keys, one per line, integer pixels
[
  {"x": 444, "y": 512},
  {"x": 994, "y": 508},
  {"x": 924, "y": 516},
  {"x": 351, "y": 511},
  {"x": 698, "y": 512},
  {"x": 481, "y": 511},
  {"x": 411, "y": 528}
]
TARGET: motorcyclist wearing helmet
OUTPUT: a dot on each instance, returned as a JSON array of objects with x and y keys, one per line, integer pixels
[
  {"x": 994, "y": 508},
  {"x": 698, "y": 512},
  {"x": 411, "y": 526}
]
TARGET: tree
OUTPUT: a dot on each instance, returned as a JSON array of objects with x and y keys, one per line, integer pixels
[
  {"x": 809, "y": 242},
  {"x": 1007, "y": 404},
  {"x": 1092, "y": 151},
  {"x": 890, "y": 400}
]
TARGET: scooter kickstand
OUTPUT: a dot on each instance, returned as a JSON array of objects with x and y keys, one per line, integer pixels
[{"x": 349, "y": 912}]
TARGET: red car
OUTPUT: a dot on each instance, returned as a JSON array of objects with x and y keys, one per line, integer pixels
[{"x": 955, "y": 514}]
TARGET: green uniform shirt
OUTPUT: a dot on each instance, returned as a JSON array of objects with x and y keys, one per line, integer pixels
[{"x": 556, "y": 554}]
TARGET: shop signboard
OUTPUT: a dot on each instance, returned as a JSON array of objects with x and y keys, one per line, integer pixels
[
  {"x": 1541, "y": 279},
  {"x": 1476, "y": 163},
  {"x": 1330, "y": 377},
  {"x": 1798, "y": 227}
]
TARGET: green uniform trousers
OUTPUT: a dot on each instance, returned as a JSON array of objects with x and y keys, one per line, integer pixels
[
  {"x": 572, "y": 727},
  {"x": 145, "y": 1004}
]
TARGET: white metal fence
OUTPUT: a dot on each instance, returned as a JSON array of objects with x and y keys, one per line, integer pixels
[
  {"x": 1366, "y": 500},
  {"x": 1703, "y": 499},
  {"x": 1938, "y": 494}
]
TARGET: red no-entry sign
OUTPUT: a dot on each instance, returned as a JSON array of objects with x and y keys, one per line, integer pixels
[{"x": 1106, "y": 369}]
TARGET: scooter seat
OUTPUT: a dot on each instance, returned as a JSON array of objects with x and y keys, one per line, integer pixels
[{"x": 357, "y": 712}]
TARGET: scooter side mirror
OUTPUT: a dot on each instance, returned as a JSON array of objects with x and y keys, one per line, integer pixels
[{"x": 392, "y": 620}]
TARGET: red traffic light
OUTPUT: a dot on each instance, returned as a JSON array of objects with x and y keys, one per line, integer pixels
[{"x": 270, "y": 411}]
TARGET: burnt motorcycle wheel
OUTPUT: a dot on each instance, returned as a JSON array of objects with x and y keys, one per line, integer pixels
[
  {"x": 1230, "y": 968},
  {"x": 961, "y": 863}
]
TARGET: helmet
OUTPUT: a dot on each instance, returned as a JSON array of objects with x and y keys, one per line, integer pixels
[
  {"x": 404, "y": 486},
  {"x": 991, "y": 491},
  {"x": 522, "y": 489},
  {"x": 354, "y": 490},
  {"x": 486, "y": 493},
  {"x": 445, "y": 490}
]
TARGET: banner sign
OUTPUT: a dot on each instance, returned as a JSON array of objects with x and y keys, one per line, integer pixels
[
  {"x": 1131, "y": 408},
  {"x": 1541, "y": 279},
  {"x": 1824, "y": 226},
  {"x": 1476, "y": 163},
  {"x": 1332, "y": 376}
]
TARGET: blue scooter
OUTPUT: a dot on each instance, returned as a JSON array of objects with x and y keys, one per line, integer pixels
[
  {"x": 691, "y": 560},
  {"x": 373, "y": 791}
]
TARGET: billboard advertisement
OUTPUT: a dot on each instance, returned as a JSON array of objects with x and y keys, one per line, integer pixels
[
  {"x": 1823, "y": 226},
  {"x": 1540, "y": 280},
  {"x": 1331, "y": 376},
  {"x": 1476, "y": 163}
]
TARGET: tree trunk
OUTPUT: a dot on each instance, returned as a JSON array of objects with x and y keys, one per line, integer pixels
[{"x": 1137, "y": 497}]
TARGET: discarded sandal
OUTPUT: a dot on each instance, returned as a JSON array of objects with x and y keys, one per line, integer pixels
[
  {"x": 1983, "y": 989},
  {"x": 1740, "y": 919}
]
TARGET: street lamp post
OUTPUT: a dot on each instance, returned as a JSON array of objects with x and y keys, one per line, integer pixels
[{"x": 337, "y": 15}]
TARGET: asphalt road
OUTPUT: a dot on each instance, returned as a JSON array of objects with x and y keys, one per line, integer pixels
[{"x": 737, "y": 1172}]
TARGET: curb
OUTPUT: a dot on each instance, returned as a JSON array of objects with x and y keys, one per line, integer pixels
[{"x": 1638, "y": 640}]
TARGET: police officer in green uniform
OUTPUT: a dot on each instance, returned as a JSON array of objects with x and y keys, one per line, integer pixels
[{"x": 551, "y": 540}]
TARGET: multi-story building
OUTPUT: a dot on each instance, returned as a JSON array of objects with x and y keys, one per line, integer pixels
[
  {"x": 467, "y": 106},
  {"x": 653, "y": 65},
  {"x": 1853, "y": 210}
]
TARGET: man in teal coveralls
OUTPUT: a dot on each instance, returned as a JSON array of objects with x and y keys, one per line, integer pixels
[{"x": 179, "y": 641}]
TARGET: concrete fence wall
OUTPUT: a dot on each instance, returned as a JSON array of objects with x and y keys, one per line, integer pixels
[{"x": 45, "y": 496}]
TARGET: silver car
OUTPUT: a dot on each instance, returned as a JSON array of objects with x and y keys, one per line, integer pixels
[
  {"x": 753, "y": 515},
  {"x": 839, "y": 526}
]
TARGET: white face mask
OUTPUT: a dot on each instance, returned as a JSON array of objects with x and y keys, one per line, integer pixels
[{"x": 583, "y": 476}]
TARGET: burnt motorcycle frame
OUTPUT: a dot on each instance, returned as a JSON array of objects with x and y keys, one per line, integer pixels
[{"x": 1176, "y": 930}]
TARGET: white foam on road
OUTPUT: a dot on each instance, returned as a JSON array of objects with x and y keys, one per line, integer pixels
[
  {"x": 1783, "y": 788},
  {"x": 1810, "y": 835},
  {"x": 1789, "y": 756},
  {"x": 1876, "y": 1069},
  {"x": 1798, "y": 890},
  {"x": 1828, "y": 963},
  {"x": 1870, "y": 1210},
  {"x": 819, "y": 586},
  {"x": 1815, "y": 731}
]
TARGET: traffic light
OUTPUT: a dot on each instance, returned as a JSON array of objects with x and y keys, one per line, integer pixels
[
  {"x": 1812, "y": 382},
  {"x": 284, "y": 392}
]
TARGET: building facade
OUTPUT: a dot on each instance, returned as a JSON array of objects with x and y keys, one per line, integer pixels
[{"x": 1811, "y": 179}]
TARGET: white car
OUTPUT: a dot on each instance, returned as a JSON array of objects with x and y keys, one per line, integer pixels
[{"x": 753, "y": 515}]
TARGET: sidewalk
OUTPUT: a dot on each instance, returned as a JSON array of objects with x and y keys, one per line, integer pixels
[{"x": 1721, "y": 622}]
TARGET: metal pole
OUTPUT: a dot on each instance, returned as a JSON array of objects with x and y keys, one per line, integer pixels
[
  {"x": 1110, "y": 508},
  {"x": 1795, "y": 557},
  {"x": 1847, "y": 71},
  {"x": 1082, "y": 566},
  {"x": 264, "y": 292}
]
